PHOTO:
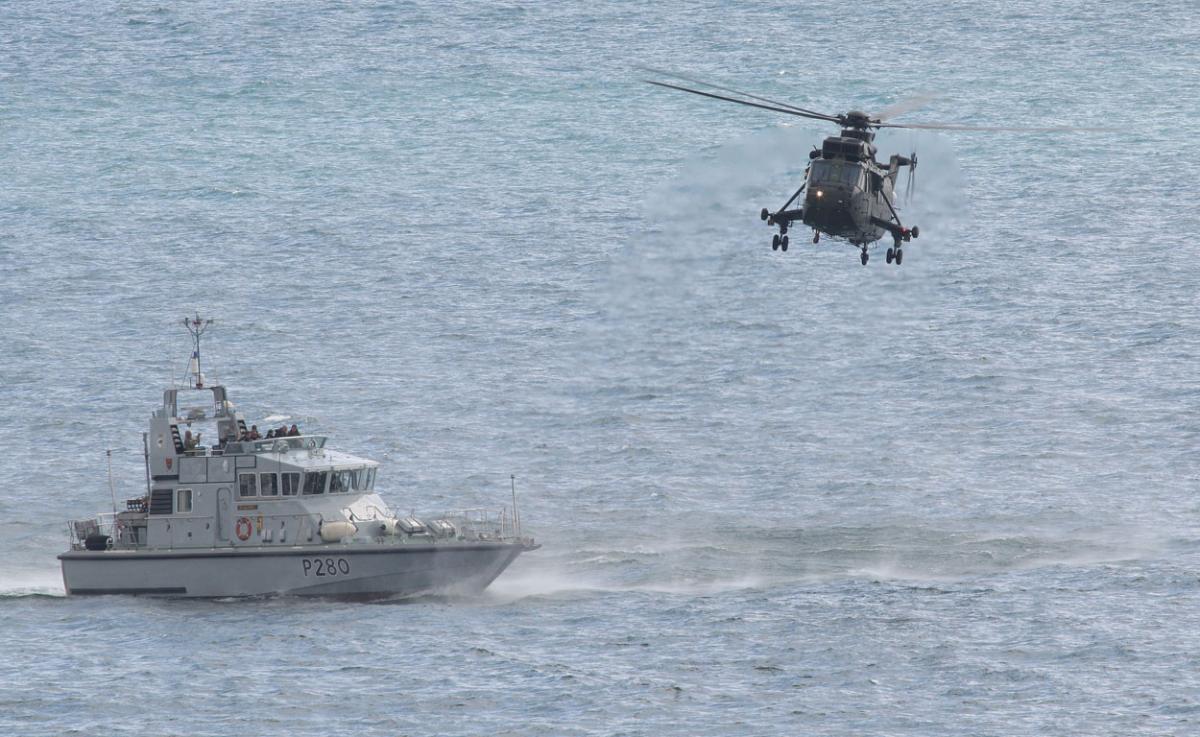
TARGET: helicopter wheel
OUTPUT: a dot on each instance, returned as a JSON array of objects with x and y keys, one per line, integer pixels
[
  {"x": 915, "y": 231},
  {"x": 864, "y": 257},
  {"x": 764, "y": 214},
  {"x": 891, "y": 254},
  {"x": 783, "y": 243},
  {"x": 775, "y": 243},
  {"x": 816, "y": 236},
  {"x": 899, "y": 256}
]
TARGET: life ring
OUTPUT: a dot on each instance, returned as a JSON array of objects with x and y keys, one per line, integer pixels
[{"x": 243, "y": 528}]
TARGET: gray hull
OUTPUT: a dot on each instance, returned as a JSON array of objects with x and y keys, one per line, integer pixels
[{"x": 340, "y": 571}]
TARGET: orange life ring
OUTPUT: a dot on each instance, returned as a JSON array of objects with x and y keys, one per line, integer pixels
[{"x": 243, "y": 528}]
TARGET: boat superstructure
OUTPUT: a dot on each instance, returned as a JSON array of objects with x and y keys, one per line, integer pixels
[{"x": 252, "y": 516}]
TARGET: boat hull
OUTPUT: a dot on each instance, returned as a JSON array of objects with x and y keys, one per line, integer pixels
[{"x": 352, "y": 571}]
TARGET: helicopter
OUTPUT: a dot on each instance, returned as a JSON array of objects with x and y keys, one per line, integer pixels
[{"x": 848, "y": 194}]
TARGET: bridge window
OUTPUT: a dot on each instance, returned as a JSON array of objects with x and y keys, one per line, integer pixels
[
  {"x": 291, "y": 483},
  {"x": 268, "y": 484},
  {"x": 314, "y": 483},
  {"x": 183, "y": 500},
  {"x": 360, "y": 479},
  {"x": 341, "y": 481},
  {"x": 247, "y": 485}
]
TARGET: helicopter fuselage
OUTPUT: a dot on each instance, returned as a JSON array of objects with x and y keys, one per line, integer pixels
[{"x": 848, "y": 194}]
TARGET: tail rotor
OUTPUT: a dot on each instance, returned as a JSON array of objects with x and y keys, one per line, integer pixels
[{"x": 911, "y": 185}]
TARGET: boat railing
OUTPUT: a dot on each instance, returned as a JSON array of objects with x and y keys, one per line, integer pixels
[
  {"x": 80, "y": 529},
  {"x": 106, "y": 521},
  {"x": 484, "y": 524},
  {"x": 478, "y": 524},
  {"x": 313, "y": 443},
  {"x": 297, "y": 527}
]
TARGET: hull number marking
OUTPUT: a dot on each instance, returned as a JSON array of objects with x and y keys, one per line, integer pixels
[{"x": 326, "y": 567}]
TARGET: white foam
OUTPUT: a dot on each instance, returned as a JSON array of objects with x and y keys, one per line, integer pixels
[
  {"x": 516, "y": 585},
  {"x": 28, "y": 582}
]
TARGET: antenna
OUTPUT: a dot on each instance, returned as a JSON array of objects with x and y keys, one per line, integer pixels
[
  {"x": 111, "y": 489},
  {"x": 196, "y": 326},
  {"x": 516, "y": 517},
  {"x": 146, "y": 456}
]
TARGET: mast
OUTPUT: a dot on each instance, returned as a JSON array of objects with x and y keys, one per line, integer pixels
[{"x": 196, "y": 326}]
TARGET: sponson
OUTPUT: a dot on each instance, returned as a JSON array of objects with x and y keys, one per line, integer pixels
[{"x": 285, "y": 515}]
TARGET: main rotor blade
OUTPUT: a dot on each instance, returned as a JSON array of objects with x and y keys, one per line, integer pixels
[
  {"x": 816, "y": 116},
  {"x": 907, "y": 105},
  {"x": 949, "y": 127},
  {"x": 702, "y": 83}
]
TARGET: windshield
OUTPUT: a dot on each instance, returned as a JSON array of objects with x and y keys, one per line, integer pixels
[{"x": 834, "y": 172}]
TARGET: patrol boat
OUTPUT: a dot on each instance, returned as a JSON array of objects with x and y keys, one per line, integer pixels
[{"x": 282, "y": 515}]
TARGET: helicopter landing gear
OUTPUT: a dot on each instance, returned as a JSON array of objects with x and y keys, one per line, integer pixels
[
  {"x": 891, "y": 254},
  {"x": 895, "y": 255},
  {"x": 899, "y": 255},
  {"x": 864, "y": 256},
  {"x": 916, "y": 231},
  {"x": 816, "y": 236},
  {"x": 782, "y": 220}
]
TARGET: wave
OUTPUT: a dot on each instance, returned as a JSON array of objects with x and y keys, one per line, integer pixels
[
  {"x": 554, "y": 581},
  {"x": 767, "y": 558},
  {"x": 31, "y": 583}
]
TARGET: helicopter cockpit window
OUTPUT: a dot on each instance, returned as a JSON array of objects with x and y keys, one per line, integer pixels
[{"x": 829, "y": 172}]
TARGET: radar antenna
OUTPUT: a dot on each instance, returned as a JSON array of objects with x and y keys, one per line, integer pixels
[{"x": 196, "y": 326}]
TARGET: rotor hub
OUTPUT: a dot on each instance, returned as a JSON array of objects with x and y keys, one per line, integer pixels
[{"x": 857, "y": 119}]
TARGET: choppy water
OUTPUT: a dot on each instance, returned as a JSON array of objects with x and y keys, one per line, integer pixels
[{"x": 779, "y": 494}]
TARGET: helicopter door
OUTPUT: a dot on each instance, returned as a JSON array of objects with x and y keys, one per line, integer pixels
[{"x": 862, "y": 203}]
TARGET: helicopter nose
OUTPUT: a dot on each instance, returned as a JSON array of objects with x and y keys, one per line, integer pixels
[{"x": 825, "y": 193}]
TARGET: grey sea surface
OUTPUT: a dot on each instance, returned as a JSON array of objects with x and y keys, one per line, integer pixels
[{"x": 778, "y": 494}]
